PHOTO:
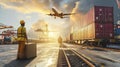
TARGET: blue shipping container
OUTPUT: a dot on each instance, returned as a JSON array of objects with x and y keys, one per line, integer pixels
[{"x": 117, "y": 31}]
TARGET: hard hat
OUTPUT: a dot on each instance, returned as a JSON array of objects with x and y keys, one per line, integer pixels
[{"x": 22, "y": 21}]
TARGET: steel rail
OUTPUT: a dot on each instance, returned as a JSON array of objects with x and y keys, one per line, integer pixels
[
  {"x": 84, "y": 59},
  {"x": 67, "y": 59}
]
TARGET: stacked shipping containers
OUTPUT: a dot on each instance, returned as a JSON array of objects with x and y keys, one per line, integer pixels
[
  {"x": 96, "y": 24},
  {"x": 104, "y": 27}
]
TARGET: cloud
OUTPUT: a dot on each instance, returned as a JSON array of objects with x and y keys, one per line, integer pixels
[
  {"x": 43, "y": 6},
  {"x": 26, "y": 6},
  {"x": 75, "y": 10},
  {"x": 28, "y": 17},
  {"x": 70, "y": 5},
  {"x": 57, "y": 3},
  {"x": 40, "y": 24}
]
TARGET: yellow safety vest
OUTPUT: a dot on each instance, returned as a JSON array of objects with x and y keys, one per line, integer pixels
[{"x": 21, "y": 33}]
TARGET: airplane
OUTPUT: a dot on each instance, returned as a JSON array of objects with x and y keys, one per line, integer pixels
[{"x": 61, "y": 15}]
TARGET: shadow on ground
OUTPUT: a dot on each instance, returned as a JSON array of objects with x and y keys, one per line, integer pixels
[
  {"x": 97, "y": 49},
  {"x": 18, "y": 63}
]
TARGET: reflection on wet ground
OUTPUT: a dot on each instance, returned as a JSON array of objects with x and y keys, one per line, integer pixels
[{"x": 47, "y": 54}]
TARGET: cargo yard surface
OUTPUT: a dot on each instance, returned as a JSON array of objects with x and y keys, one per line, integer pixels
[{"x": 48, "y": 55}]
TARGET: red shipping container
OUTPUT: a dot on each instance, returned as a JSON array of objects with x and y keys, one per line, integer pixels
[
  {"x": 99, "y": 27},
  {"x": 103, "y": 14},
  {"x": 109, "y": 14},
  {"x": 99, "y": 14},
  {"x": 109, "y": 28},
  {"x": 99, "y": 30},
  {"x": 108, "y": 35},
  {"x": 104, "y": 30}
]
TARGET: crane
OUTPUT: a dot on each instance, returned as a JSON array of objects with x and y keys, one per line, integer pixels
[{"x": 5, "y": 35}]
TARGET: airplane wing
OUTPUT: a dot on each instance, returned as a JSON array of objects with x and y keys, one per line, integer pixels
[
  {"x": 54, "y": 14},
  {"x": 69, "y": 14}
]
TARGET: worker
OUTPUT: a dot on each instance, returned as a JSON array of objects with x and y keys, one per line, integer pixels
[
  {"x": 60, "y": 41},
  {"x": 22, "y": 38}
]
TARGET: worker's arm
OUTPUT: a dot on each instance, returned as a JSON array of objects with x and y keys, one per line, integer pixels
[{"x": 26, "y": 35}]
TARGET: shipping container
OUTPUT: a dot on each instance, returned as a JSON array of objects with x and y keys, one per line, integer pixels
[
  {"x": 117, "y": 31},
  {"x": 103, "y": 14},
  {"x": 96, "y": 24}
]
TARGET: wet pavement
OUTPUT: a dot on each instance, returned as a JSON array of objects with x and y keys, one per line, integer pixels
[
  {"x": 8, "y": 54},
  {"x": 47, "y": 55}
]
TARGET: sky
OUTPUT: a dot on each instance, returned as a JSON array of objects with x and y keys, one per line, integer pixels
[{"x": 34, "y": 13}]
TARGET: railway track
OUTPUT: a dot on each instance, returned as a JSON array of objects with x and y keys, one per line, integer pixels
[{"x": 70, "y": 58}]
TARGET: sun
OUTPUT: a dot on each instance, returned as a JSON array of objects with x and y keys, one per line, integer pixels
[{"x": 53, "y": 35}]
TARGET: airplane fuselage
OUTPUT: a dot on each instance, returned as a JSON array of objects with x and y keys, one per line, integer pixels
[{"x": 56, "y": 14}]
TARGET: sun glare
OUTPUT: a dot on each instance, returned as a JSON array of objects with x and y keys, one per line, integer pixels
[{"x": 53, "y": 35}]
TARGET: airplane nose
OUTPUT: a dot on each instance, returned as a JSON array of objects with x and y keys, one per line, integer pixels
[{"x": 50, "y": 14}]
